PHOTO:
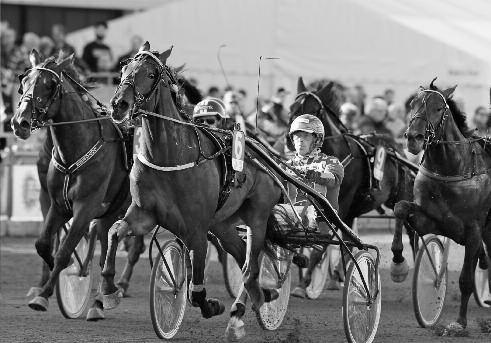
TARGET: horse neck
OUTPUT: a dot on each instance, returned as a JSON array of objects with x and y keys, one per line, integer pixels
[
  {"x": 448, "y": 158},
  {"x": 72, "y": 141},
  {"x": 165, "y": 142},
  {"x": 336, "y": 144}
]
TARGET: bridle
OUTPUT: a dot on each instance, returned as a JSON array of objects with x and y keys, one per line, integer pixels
[
  {"x": 430, "y": 129},
  {"x": 39, "y": 114},
  {"x": 141, "y": 98},
  {"x": 302, "y": 97}
]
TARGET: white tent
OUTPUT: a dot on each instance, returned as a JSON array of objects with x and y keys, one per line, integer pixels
[{"x": 380, "y": 44}]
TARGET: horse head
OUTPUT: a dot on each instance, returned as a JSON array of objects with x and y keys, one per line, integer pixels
[
  {"x": 41, "y": 90},
  {"x": 322, "y": 103},
  {"x": 428, "y": 112},
  {"x": 140, "y": 82}
]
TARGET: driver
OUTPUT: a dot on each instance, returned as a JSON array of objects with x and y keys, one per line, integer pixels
[
  {"x": 322, "y": 172},
  {"x": 210, "y": 111}
]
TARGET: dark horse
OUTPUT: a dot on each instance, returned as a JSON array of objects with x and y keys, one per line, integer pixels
[
  {"x": 87, "y": 177},
  {"x": 358, "y": 193},
  {"x": 176, "y": 183},
  {"x": 452, "y": 190}
]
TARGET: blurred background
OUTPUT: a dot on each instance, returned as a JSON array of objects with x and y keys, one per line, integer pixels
[{"x": 378, "y": 53}]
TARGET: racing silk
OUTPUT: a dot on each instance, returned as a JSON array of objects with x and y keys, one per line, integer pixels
[{"x": 324, "y": 174}]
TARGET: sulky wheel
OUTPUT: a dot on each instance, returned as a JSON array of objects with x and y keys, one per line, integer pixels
[
  {"x": 319, "y": 275},
  {"x": 168, "y": 290},
  {"x": 481, "y": 285},
  {"x": 429, "y": 289},
  {"x": 275, "y": 274},
  {"x": 361, "y": 311},
  {"x": 232, "y": 275},
  {"x": 72, "y": 289}
]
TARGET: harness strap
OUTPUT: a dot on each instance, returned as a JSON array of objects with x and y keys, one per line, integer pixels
[
  {"x": 68, "y": 171},
  {"x": 165, "y": 169},
  {"x": 445, "y": 178}
]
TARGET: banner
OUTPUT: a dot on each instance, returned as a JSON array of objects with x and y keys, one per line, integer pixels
[{"x": 25, "y": 194}]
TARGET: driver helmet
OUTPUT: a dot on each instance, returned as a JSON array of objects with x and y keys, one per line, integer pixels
[
  {"x": 311, "y": 124},
  {"x": 210, "y": 107}
]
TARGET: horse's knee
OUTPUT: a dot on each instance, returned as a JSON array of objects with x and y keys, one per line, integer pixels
[{"x": 402, "y": 209}]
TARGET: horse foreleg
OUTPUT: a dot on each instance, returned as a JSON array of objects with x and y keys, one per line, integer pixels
[
  {"x": 209, "y": 307},
  {"x": 62, "y": 258},
  {"x": 399, "y": 268},
  {"x": 136, "y": 247},
  {"x": 139, "y": 222},
  {"x": 44, "y": 244}
]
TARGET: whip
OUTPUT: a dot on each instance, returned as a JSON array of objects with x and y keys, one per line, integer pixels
[{"x": 258, "y": 85}]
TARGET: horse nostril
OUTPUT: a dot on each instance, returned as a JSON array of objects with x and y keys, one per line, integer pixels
[
  {"x": 24, "y": 124},
  {"x": 123, "y": 105}
]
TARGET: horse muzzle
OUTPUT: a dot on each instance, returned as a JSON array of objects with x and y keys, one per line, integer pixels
[
  {"x": 21, "y": 127},
  {"x": 415, "y": 143}
]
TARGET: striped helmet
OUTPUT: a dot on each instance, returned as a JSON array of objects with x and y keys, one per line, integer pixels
[
  {"x": 308, "y": 123},
  {"x": 210, "y": 107}
]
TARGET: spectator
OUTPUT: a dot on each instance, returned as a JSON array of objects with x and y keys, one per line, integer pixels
[
  {"x": 46, "y": 46},
  {"x": 98, "y": 55},
  {"x": 214, "y": 92},
  {"x": 59, "y": 39},
  {"x": 349, "y": 115},
  {"x": 135, "y": 43},
  {"x": 30, "y": 41},
  {"x": 374, "y": 121},
  {"x": 482, "y": 121},
  {"x": 360, "y": 97},
  {"x": 242, "y": 99},
  {"x": 396, "y": 122},
  {"x": 389, "y": 96}
]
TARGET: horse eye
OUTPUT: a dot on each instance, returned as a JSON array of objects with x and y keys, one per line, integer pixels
[
  {"x": 39, "y": 99},
  {"x": 152, "y": 76}
]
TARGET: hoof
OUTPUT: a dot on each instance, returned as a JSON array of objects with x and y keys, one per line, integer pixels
[
  {"x": 399, "y": 271},
  {"x": 216, "y": 308},
  {"x": 299, "y": 292},
  {"x": 111, "y": 301},
  {"x": 333, "y": 285},
  {"x": 487, "y": 302},
  {"x": 94, "y": 314},
  {"x": 33, "y": 292},
  {"x": 453, "y": 329},
  {"x": 39, "y": 303},
  {"x": 235, "y": 330},
  {"x": 123, "y": 287}
]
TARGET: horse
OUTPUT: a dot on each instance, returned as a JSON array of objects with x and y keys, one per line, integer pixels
[
  {"x": 176, "y": 183},
  {"x": 452, "y": 190},
  {"x": 358, "y": 194},
  {"x": 87, "y": 178}
]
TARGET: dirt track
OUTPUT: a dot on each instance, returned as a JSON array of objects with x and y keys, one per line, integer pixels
[{"x": 306, "y": 320}]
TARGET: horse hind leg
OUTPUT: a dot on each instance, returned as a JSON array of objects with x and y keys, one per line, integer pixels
[
  {"x": 136, "y": 247},
  {"x": 486, "y": 236}
]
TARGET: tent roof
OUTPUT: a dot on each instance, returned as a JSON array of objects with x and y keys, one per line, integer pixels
[
  {"x": 462, "y": 25},
  {"x": 101, "y": 4}
]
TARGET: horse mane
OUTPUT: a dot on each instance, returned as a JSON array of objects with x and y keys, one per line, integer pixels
[
  {"x": 72, "y": 72},
  {"x": 458, "y": 116},
  {"x": 192, "y": 93},
  {"x": 331, "y": 99}
]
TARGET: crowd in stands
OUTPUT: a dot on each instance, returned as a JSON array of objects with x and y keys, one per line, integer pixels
[{"x": 362, "y": 115}]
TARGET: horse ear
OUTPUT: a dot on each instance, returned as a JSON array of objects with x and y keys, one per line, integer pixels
[
  {"x": 447, "y": 93},
  {"x": 165, "y": 55},
  {"x": 324, "y": 92},
  {"x": 145, "y": 47},
  {"x": 34, "y": 58},
  {"x": 300, "y": 86},
  {"x": 180, "y": 68},
  {"x": 432, "y": 86},
  {"x": 66, "y": 62}
]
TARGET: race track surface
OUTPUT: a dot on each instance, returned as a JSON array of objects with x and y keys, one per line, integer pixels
[{"x": 306, "y": 320}]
